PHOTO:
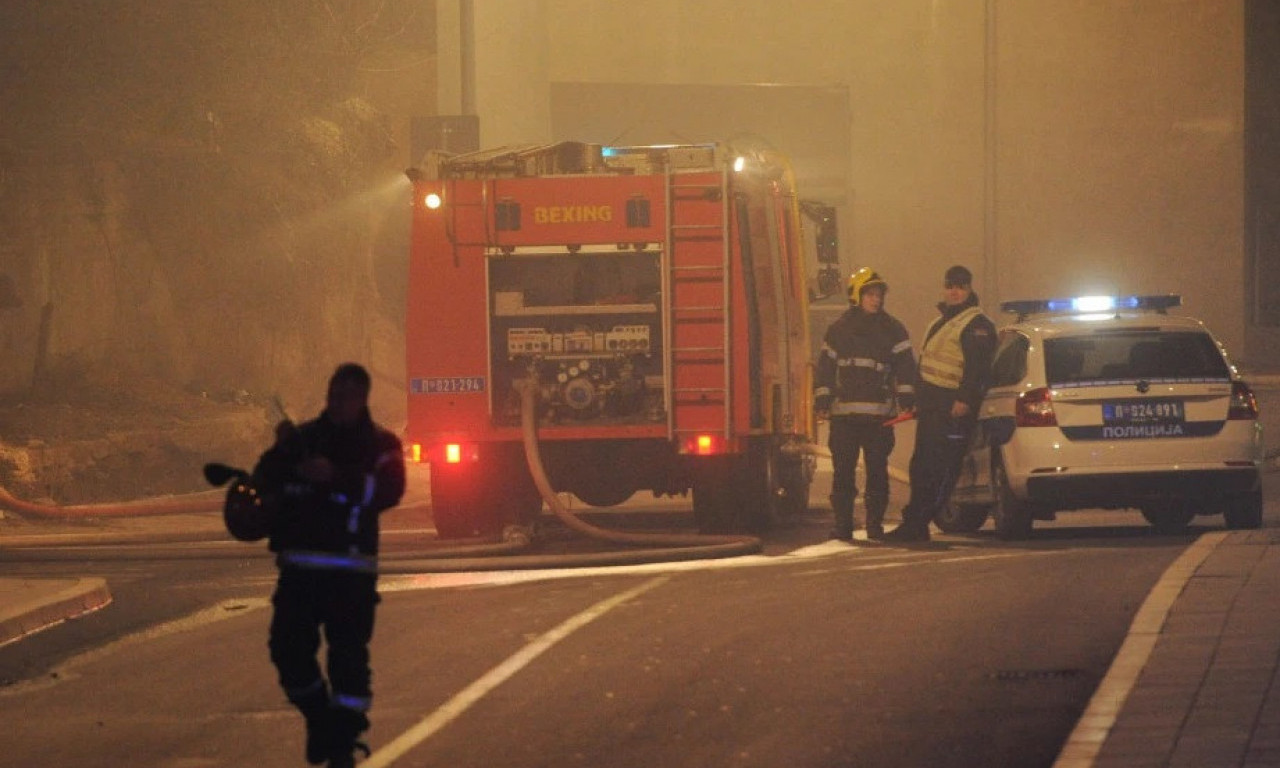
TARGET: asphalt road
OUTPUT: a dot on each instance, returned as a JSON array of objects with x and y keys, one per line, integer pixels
[{"x": 965, "y": 652}]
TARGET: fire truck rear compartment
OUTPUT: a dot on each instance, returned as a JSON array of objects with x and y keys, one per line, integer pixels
[
  {"x": 654, "y": 299},
  {"x": 587, "y": 327}
]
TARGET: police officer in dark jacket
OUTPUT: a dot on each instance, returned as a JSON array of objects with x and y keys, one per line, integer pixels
[
  {"x": 330, "y": 478},
  {"x": 865, "y": 371},
  {"x": 955, "y": 363}
]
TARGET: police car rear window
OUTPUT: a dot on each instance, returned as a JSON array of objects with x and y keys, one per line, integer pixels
[{"x": 1133, "y": 355}]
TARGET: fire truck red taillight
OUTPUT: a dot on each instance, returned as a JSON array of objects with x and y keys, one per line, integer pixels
[
  {"x": 455, "y": 453},
  {"x": 445, "y": 453},
  {"x": 703, "y": 445}
]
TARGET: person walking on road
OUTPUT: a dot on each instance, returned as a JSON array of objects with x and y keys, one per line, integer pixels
[
  {"x": 955, "y": 362},
  {"x": 330, "y": 478},
  {"x": 866, "y": 370}
]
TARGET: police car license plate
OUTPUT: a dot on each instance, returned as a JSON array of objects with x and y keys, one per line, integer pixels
[{"x": 1144, "y": 412}]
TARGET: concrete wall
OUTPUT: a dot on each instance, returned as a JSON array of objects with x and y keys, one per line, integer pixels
[
  {"x": 1262, "y": 168},
  {"x": 1054, "y": 147},
  {"x": 210, "y": 195}
]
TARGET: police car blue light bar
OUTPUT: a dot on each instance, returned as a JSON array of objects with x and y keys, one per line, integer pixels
[{"x": 1091, "y": 304}]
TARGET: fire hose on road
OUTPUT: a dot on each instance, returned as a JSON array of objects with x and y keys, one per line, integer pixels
[
  {"x": 659, "y": 547},
  {"x": 462, "y": 555},
  {"x": 199, "y": 502}
]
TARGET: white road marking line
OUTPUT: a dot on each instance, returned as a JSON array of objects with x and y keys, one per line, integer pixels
[
  {"x": 417, "y": 581},
  {"x": 454, "y": 707},
  {"x": 884, "y": 563},
  {"x": 1091, "y": 731}
]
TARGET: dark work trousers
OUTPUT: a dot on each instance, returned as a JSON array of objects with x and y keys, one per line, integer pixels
[
  {"x": 342, "y": 604},
  {"x": 941, "y": 443},
  {"x": 850, "y": 435}
]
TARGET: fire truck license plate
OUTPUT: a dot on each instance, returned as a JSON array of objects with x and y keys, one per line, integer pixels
[{"x": 446, "y": 385}]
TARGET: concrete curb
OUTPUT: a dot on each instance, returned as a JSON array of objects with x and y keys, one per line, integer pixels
[
  {"x": 1268, "y": 380},
  {"x": 1099, "y": 718},
  {"x": 30, "y": 605}
]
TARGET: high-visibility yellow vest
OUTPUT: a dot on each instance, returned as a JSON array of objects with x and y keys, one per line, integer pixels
[{"x": 942, "y": 357}]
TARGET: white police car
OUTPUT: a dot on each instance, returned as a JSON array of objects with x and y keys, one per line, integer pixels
[{"x": 1110, "y": 402}]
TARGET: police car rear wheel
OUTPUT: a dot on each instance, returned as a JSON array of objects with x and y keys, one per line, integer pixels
[
  {"x": 1171, "y": 518},
  {"x": 961, "y": 518},
  {"x": 1012, "y": 517},
  {"x": 1244, "y": 512}
]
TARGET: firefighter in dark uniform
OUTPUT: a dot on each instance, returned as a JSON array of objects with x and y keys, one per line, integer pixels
[
  {"x": 330, "y": 478},
  {"x": 866, "y": 370},
  {"x": 955, "y": 363}
]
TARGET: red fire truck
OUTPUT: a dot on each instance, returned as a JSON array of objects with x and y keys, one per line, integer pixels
[{"x": 656, "y": 298}]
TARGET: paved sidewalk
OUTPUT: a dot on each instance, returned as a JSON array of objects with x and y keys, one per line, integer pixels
[
  {"x": 1196, "y": 683},
  {"x": 30, "y": 605}
]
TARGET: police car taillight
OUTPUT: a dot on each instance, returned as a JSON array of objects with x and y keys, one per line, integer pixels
[
  {"x": 1035, "y": 409},
  {"x": 1243, "y": 403}
]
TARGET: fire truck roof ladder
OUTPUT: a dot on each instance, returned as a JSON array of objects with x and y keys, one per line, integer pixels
[{"x": 697, "y": 276}]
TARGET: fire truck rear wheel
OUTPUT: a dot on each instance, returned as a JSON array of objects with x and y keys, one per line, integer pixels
[
  {"x": 797, "y": 477},
  {"x": 454, "y": 507},
  {"x": 774, "y": 486},
  {"x": 467, "y": 504},
  {"x": 761, "y": 488},
  {"x": 714, "y": 500}
]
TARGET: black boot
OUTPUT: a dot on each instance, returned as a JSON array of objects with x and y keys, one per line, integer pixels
[
  {"x": 914, "y": 527},
  {"x": 843, "y": 509},
  {"x": 908, "y": 532},
  {"x": 347, "y": 759},
  {"x": 347, "y": 725},
  {"x": 875, "y": 516},
  {"x": 314, "y": 706}
]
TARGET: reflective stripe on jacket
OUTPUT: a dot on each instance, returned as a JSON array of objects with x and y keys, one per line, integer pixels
[{"x": 328, "y": 561}]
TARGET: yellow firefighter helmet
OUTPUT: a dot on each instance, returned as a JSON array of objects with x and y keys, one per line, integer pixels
[{"x": 863, "y": 279}]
